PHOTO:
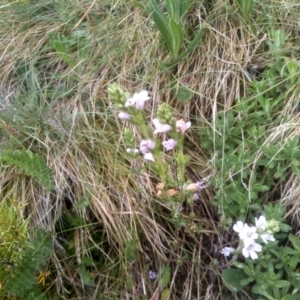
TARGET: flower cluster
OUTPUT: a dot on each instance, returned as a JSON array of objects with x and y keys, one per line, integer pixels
[
  {"x": 249, "y": 237},
  {"x": 131, "y": 108}
]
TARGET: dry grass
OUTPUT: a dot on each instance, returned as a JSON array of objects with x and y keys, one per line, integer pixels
[{"x": 121, "y": 225}]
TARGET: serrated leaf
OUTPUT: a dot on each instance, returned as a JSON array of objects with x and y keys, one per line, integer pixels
[{"x": 30, "y": 164}]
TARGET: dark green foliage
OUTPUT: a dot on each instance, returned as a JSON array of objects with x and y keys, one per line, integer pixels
[
  {"x": 248, "y": 161},
  {"x": 22, "y": 281},
  {"x": 30, "y": 164}
]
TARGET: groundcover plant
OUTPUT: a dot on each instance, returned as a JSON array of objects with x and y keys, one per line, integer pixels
[{"x": 149, "y": 149}]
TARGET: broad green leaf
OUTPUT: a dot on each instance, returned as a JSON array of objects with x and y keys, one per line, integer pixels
[
  {"x": 182, "y": 93},
  {"x": 184, "y": 5},
  {"x": 295, "y": 241},
  {"x": 173, "y": 8},
  {"x": 246, "y": 7},
  {"x": 282, "y": 283},
  {"x": 62, "y": 53},
  {"x": 177, "y": 37},
  {"x": 232, "y": 279},
  {"x": 162, "y": 24}
]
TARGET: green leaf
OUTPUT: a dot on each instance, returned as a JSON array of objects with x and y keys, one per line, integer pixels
[
  {"x": 282, "y": 283},
  {"x": 183, "y": 94},
  {"x": 63, "y": 54},
  {"x": 260, "y": 188},
  {"x": 232, "y": 279},
  {"x": 260, "y": 290},
  {"x": 184, "y": 5},
  {"x": 31, "y": 165},
  {"x": 295, "y": 241},
  {"x": 246, "y": 6},
  {"x": 176, "y": 36},
  {"x": 191, "y": 46},
  {"x": 166, "y": 276},
  {"x": 162, "y": 24},
  {"x": 173, "y": 8}
]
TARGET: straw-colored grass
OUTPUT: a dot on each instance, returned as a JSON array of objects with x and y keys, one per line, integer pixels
[{"x": 101, "y": 208}]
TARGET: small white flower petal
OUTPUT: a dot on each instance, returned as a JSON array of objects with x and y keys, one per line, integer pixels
[
  {"x": 130, "y": 102},
  {"x": 226, "y": 251},
  {"x": 149, "y": 156},
  {"x": 135, "y": 151},
  {"x": 159, "y": 127},
  {"x": 140, "y": 99},
  {"x": 261, "y": 223},
  {"x": 238, "y": 227},
  {"x": 251, "y": 249},
  {"x": 124, "y": 116},
  {"x": 267, "y": 237}
]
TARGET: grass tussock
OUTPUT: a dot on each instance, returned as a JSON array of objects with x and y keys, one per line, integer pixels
[{"x": 108, "y": 228}]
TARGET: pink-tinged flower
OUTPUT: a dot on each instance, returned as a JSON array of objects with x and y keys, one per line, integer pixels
[
  {"x": 138, "y": 100},
  {"x": 182, "y": 126},
  {"x": 200, "y": 185},
  {"x": 267, "y": 237},
  {"x": 261, "y": 223},
  {"x": 196, "y": 197},
  {"x": 251, "y": 249},
  {"x": 149, "y": 156},
  {"x": 159, "y": 127},
  {"x": 226, "y": 251},
  {"x": 146, "y": 145},
  {"x": 124, "y": 116},
  {"x": 169, "y": 144}
]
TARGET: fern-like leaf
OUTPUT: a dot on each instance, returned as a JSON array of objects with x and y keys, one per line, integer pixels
[{"x": 30, "y": 164}]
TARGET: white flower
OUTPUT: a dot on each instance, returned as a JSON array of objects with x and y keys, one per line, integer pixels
[
  {"x": 267, "y": 237},
  {"x": 159, "y": 127},
  {"x": 138, "y": 100},
  {"x": 226, "y": 251},
  {"x": 182, "y": 126},
  {"x": 251, "y": 249},
  {"x": 124, "y": 116},
  {"x": 134, "y": 151},
  {"x": 149, "y": 156},
  {"x": 238, "y": 227},
  {"x": 261, "y": 223},
  {"x": 146, "y": 145},
  {"x": 247, "y": 234},
  {"x": 169, "y": 144}
]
